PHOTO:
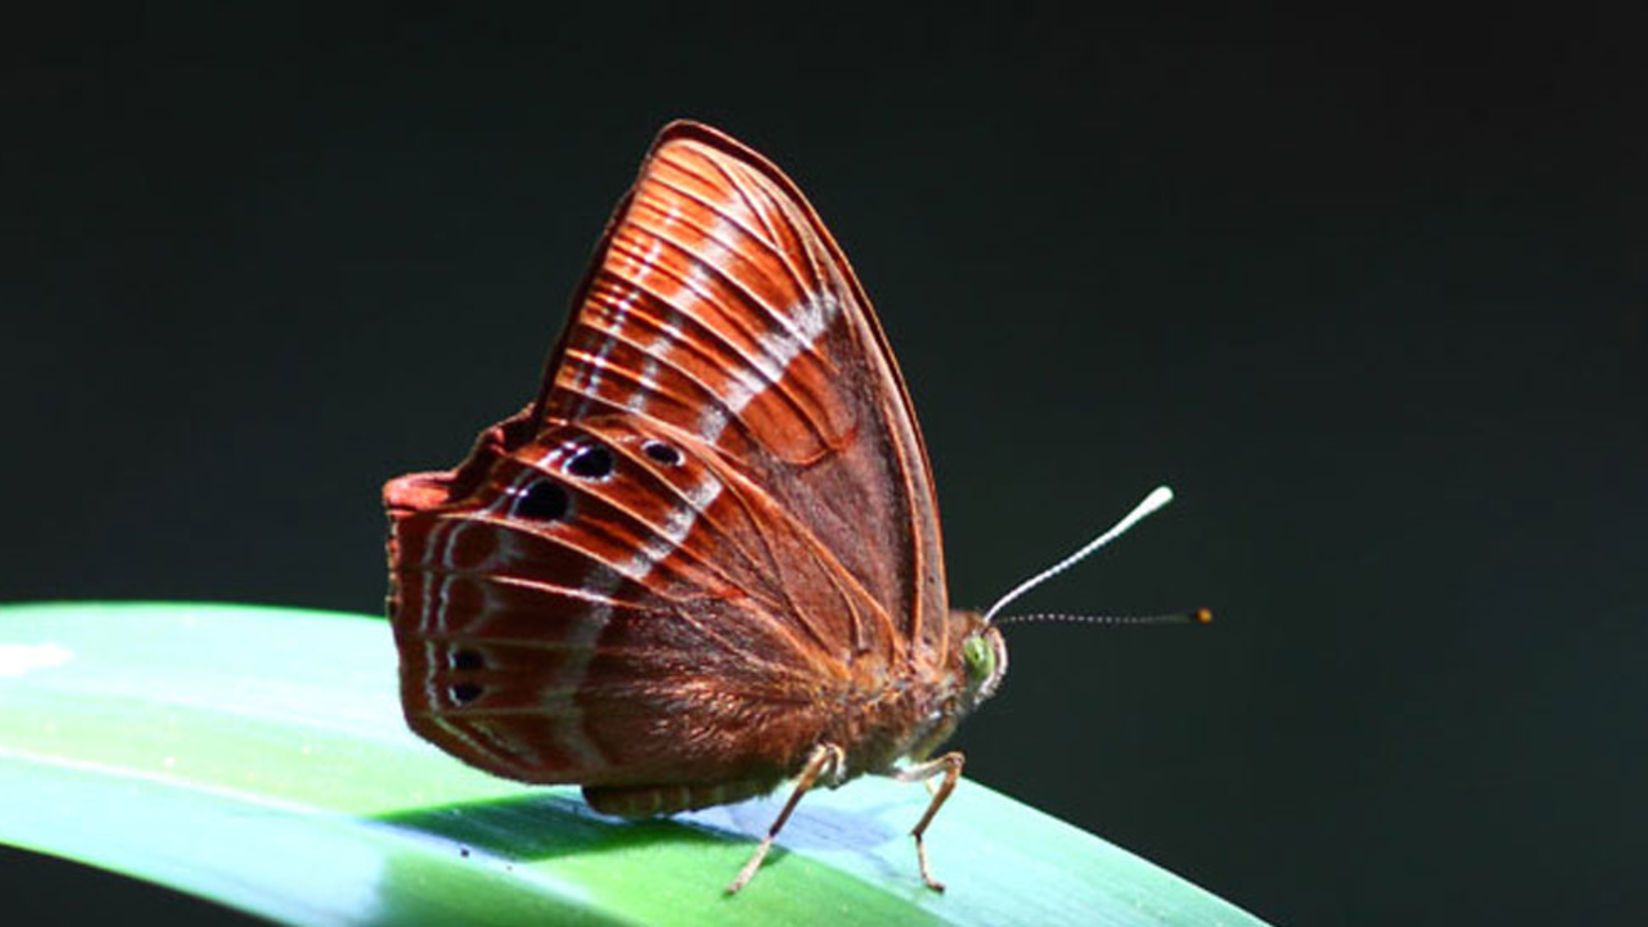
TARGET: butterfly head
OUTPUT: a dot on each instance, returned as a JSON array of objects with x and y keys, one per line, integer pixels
[{"x": 983, "y": 657}]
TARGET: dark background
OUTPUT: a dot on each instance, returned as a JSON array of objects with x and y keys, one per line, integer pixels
[{"x": 1368, "y": 291}]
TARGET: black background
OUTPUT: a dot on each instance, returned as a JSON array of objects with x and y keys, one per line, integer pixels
[{"x": 1368, "y": 291}]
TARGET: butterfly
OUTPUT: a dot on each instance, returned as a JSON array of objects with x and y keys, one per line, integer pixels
[{"x": 705, "y": 560}]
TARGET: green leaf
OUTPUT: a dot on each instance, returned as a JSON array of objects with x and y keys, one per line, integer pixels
[{"x": 256, "y": 757}]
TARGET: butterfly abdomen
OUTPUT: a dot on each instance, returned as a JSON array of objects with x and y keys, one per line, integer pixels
[{"x": 650, "y": 800}]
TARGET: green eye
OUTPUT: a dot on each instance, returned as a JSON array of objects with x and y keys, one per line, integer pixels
[{"x": 980, "y": 659}]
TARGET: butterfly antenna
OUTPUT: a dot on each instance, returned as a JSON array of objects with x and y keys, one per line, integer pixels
[
  {"x": 1158, "y": 497},
  {"x": 1194, "y": 616}
]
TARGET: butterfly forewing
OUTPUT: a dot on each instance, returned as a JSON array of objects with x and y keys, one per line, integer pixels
[{"x": 719, "y": 304}]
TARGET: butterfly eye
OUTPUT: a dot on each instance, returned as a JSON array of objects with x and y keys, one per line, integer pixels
[
  {"x": 465, "y": 692},
  {"x": 979, "y": 657},
  {"x": 662, "y": 453},
  {"x": 591, "y": 463},
  {"x": 542, "y": 501},
  {"x": 467, "y": 660}
]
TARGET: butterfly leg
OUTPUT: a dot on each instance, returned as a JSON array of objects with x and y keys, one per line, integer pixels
[
  {"x": 948, "y": 765},
  {"x": 826, "y": 760}
]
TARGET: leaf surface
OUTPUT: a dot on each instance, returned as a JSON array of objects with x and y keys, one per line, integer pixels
[{"x": 256, "y": 757}]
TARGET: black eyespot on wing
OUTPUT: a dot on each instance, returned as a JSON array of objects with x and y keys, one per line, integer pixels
[
  {"x": 662, "y": 453},
  {"x": 465, "y": 692},
  {"x": 468, "y": 660},
  {"x": 544, "y": 500},
  {"x": 591, "y": 463}
]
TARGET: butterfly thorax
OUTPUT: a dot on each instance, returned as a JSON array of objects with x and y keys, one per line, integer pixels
[{"x": 912, "y": 716}]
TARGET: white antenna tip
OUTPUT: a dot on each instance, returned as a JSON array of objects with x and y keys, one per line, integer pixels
[{"x": 1157, "y": 498}]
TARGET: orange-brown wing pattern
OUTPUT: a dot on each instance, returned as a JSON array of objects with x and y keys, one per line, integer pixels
[
  {"x": 712, "y": 533},
  {"x": 616, "y": 605},
  {"x": 719, "y": 304}
]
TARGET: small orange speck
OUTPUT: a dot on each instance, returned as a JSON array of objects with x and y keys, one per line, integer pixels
[{"x": 1204, "y": 616}]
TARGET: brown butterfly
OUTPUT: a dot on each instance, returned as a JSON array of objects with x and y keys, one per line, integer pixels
[{"x": 706, "y": 558}]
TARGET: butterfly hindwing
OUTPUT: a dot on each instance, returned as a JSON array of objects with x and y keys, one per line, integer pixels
[{"x": 616, "y": 604}]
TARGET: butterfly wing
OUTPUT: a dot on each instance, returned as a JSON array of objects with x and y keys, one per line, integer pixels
[
  {"x": 715, "y": 521},
  {"x": 719, "y": 304},
  {"x": 601, "y": 609}
]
